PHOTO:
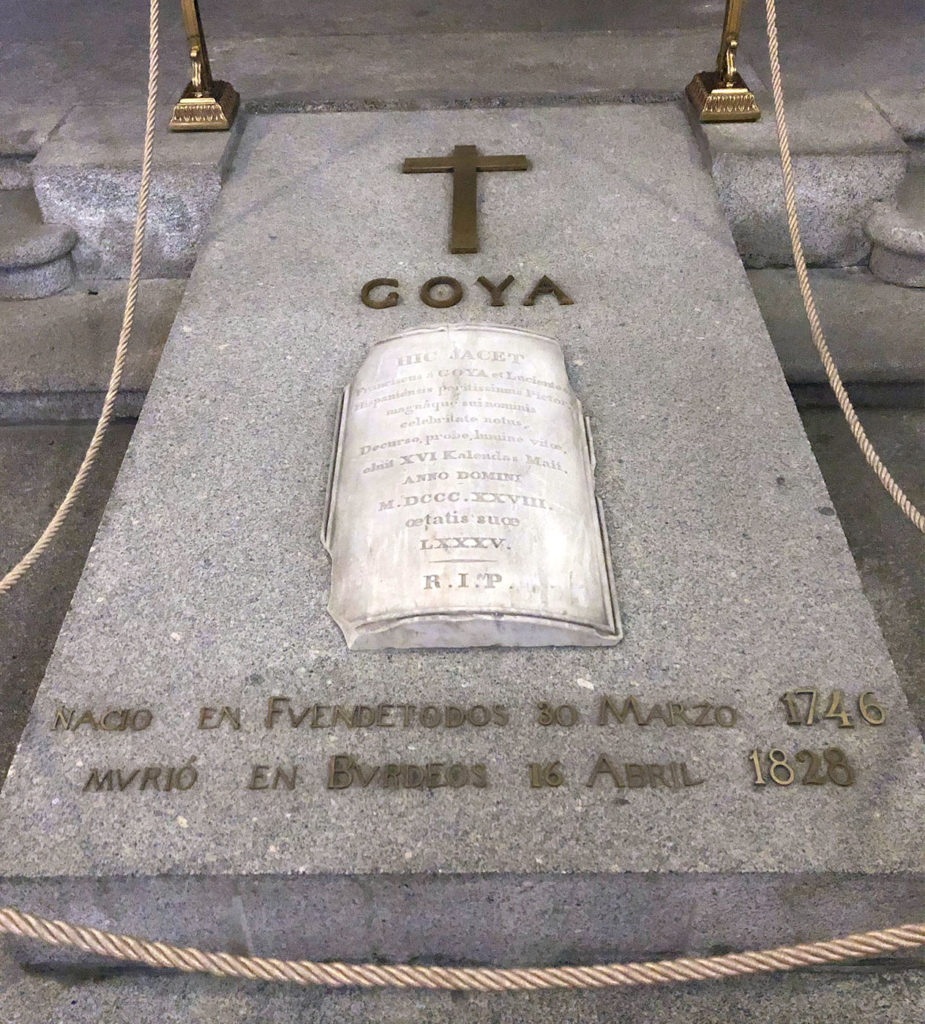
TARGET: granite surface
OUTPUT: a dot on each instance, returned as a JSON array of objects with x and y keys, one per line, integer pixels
[
  {"x": 897, "y": 230},
  {"x": 35, "y": 258},
  {"x": 87, "y": 175},
  {"x": 876, "y": 331},
  {"x": 113, "y": 996},
  {"x": 37, "y": 281},
  {"x": 208, "y": 583},
  {"x": 56, "y": 353},
  {"x": 902, "y": 103},
  {"x": 846, "y": 157}
]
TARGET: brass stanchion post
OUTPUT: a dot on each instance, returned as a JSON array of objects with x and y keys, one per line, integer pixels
[
  {"x": 206, "y": 104},
  {"x": 722, "y": 95}
]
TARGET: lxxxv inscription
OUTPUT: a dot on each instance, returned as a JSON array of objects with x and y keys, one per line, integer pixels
[{"x": 462, "y": 509}]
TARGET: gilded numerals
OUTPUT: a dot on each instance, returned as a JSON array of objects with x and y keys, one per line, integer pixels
[
  {"x": 805, "y": 707},
  {"x": 553, "y": 714},
  {"x": 546, "y": 773},
  {"x": 817, "y": 769}
]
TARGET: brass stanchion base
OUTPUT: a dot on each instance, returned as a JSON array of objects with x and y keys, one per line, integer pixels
[
  {"x": 714, "y": 101},
  {"x": 213, "y": 112}
]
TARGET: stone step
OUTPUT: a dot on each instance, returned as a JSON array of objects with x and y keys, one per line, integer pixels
[
  {"x": 897, "y": 231},
  {"x": 88, "y": 174},
  {"x": 14, "y": 173},
  {"x": 35, "y": 258},
  {"x": 846, "y": 157},
  {"x": 874, "y": 330},
  {"x": 56, "y": 353}
]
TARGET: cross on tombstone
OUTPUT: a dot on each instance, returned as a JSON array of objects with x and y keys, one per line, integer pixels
[{"x": 464, "y": 162}]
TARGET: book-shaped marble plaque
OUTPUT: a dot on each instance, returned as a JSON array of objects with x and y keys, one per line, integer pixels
[{"x": 461, "y": 508}]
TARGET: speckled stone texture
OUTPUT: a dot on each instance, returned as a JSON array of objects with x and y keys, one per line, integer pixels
[
  {"x": 876, "y": 332},
  {"x": 874, "y": 996},
  {"x": 56, "y": 353},
  {"x": 208, "y": 585},
  {"x": 846, "y": 156},
  {"x": 37, "y": 281},
  {"x": 897, "y": 231},
  {"x": 35, "y": 258},
  {"x": 87, "y": 175},
  {"x": 902, "y": 102}
]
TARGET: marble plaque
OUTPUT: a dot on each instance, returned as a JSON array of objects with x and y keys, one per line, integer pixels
[{"x": 462, "y": 510}]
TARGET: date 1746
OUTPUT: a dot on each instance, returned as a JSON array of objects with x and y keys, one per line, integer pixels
[{"x": 805, "y": 707}]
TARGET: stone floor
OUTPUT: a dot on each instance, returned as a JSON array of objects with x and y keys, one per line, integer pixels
[
  {"x": 887, "y": 550},
  {"x": 870, "y": 38},
  {"x": 63, "y": 51},
  {"x": 37, "y": 464}
]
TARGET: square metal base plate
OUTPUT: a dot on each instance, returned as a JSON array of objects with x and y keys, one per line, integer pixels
[
  {"x": 214, "y": 112},
  {"x": 715, "y": 102}
]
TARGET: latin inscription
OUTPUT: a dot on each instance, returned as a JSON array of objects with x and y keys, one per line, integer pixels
[{"x": 462, "y": 507}]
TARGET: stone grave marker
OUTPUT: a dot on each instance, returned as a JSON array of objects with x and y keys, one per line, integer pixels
[
  {"x": 208, "y": 763},
  {"x": 461, "y": 511}
]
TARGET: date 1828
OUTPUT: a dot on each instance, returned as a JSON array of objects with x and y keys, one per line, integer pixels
[{"x": 829, "y": 766}]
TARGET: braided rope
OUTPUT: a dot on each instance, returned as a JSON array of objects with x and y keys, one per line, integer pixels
[
  {"x": 796, "y": 243},
  {"x": 128, "y": 318},
  {"x": 895, "y": 491},
  {"x": 482, "y": 979},
  {"x": 458, "y": 979}
]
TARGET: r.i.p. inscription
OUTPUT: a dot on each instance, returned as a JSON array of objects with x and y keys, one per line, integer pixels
[{"x": 462, "y": 509}]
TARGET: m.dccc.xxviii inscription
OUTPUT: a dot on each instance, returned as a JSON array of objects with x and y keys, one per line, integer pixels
[{"x": 462, "y": 510}]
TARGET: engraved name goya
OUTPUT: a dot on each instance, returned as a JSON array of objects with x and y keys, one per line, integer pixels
[{"x": 462, "y": 510}]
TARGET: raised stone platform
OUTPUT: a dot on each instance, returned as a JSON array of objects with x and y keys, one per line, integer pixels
[
  {"x": 56, "y": 353},
  {"x": 35, "y": 258},
  {"x": 208, "y": 583},
  {"x": 846, "y": 157},
  {"x": 87, "y": 175}
]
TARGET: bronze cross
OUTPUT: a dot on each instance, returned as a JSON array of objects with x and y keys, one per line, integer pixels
[{"x": 465, "y": 163}]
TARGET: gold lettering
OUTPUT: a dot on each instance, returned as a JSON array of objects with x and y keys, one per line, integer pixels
[
  {"x": 63, "y": 717},
  {"x": 546, "y": 286},
  {"x": 85, "y": 719},
  {"x": 607, "y": 707},
  {"x": 658, "y": 711},
  {"x": 603, "y": 766},
  {"x": 496, "y": 291},
  {"x": 391, "y": 299},
  {"x": 339, "y": 773},
  {"x": 224, "y": 714}
]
